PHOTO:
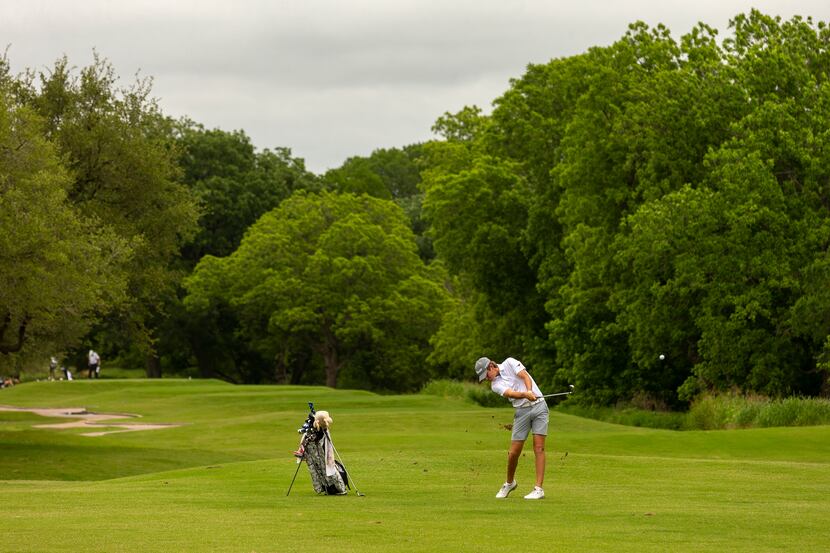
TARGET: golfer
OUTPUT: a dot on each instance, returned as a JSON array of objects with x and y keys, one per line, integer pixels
[{"x": 511, "y": 380}]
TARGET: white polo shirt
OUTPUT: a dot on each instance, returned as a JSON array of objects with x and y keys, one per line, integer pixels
[{"x": 508, "y": 379}]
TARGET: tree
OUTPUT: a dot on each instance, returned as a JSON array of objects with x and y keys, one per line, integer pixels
[
  {"x": 477, "y": 206},
  {"x": 60, "y": 269},
  {"x": 744, "y": 277},
  {"x": 590, "y": 158},
  {"x": 334, "y": 274},
  {"x": 235, "y": 185},
  {"x": 356, "y": 176},
  {"x": 389, "y": 174},
  {"x": 697, "y": 197},
  {"x": 117, "y": 147},
  {"x": 386, "y": 173}
]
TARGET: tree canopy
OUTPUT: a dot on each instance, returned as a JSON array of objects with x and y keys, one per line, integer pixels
[
  {"x": 646, "y": 219},
  {"x": 60, "y": 267},
  {"x": 665, "y": 197},
  {"x": 336, "y": 274},
  {"x": 234, "y": 185},
  {"x": 115, "y": 146}
]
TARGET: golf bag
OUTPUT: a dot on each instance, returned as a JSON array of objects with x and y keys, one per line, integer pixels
[{"x": 328, "y": 475}]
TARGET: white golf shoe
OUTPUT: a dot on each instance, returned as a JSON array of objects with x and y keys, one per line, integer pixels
[
  {"x": 505, "y": 490},
  {"x": 537, "y": 493}
]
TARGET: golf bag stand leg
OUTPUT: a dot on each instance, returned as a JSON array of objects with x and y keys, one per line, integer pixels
[{"x": 299, "y": 463}]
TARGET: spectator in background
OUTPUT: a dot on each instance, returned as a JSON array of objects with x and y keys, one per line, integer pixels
[
  {"x": 53, "y": 364},
  {"x": 94, "y": 361}
]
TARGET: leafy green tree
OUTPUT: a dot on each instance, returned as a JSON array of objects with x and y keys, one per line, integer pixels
[
  {"x": 464, "y": 127},
  {"x": 60, "y": 268},
  {"x": 592, "y": 156},
  {"x": 462, "y": 338},
  {"x": 234, "y": 184},
  {"x": 388, "y": 173},
  {"x": 117, "y": 147},
  {"x": 477, "y": 207},
  {"x": 334, "y": 274},
  {"x": 357, "y": 176},
  {"x": 476, "y": 219},
  {"x": 710, "y": 272}
]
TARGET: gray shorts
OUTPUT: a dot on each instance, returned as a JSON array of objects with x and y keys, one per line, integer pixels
[{"x": 530, "y": 418}]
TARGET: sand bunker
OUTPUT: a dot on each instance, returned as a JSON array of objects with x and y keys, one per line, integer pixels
[{"x": 85, "y": 419}]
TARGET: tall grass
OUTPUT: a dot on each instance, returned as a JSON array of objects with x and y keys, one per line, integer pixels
[{"x": 715, "y": 412}]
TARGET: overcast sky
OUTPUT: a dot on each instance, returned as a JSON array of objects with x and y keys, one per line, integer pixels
[{"x": 335, "y": 78}]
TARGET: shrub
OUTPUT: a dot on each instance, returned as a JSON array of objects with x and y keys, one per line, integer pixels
[
  {"x": 464, "y": 390},
  {"x": 446, "y": 388},
  {"x": 486, "y": 398}
]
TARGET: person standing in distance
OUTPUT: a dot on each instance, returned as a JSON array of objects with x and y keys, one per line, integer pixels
[
  {"x": 511, "y": 380},
  {"x": 93, "y": 360}
]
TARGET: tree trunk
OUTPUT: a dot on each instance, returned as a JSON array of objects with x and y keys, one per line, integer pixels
[
  {"x": 21, "y": 334},
  {"x": 328, "y": 349},
  {"x": 280, "y": 369},
  {"x": 332, "y": 368},
  {"x": 205, "y": 361},
  {"x": 153, "y": 365}
]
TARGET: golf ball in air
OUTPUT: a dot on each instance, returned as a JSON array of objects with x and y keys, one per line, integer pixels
[{"x": 662, "y": 357}]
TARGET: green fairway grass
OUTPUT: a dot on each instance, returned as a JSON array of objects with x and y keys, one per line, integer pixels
[{"x": 429, "y": 468}]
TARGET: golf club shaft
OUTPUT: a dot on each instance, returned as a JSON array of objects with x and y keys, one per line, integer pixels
[
  {"x": 344, "y": 465},
  {"x": 559, "y": 394}
]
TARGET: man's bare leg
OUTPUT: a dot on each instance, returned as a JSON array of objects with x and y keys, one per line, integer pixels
[
  {"x": 513, "y": 458},
  {"x": 539, "y": 451}
]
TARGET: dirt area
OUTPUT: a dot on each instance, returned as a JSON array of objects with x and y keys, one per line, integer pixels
[{"x": 85, "y": 419}]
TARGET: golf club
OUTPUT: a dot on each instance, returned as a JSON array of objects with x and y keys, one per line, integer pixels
[
  {"x": 569, "y": 392},
  {"x": 347, "y": 470}
]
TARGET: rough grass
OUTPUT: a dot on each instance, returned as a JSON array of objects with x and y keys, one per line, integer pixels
[
  {"x": 428, "y": 465},
  {"x": 737, "y": 411}
]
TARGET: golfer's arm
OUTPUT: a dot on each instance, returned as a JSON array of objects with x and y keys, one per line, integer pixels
[
  {"x": 526, "y": 379},
  {"x": 516, "y": 394}
]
